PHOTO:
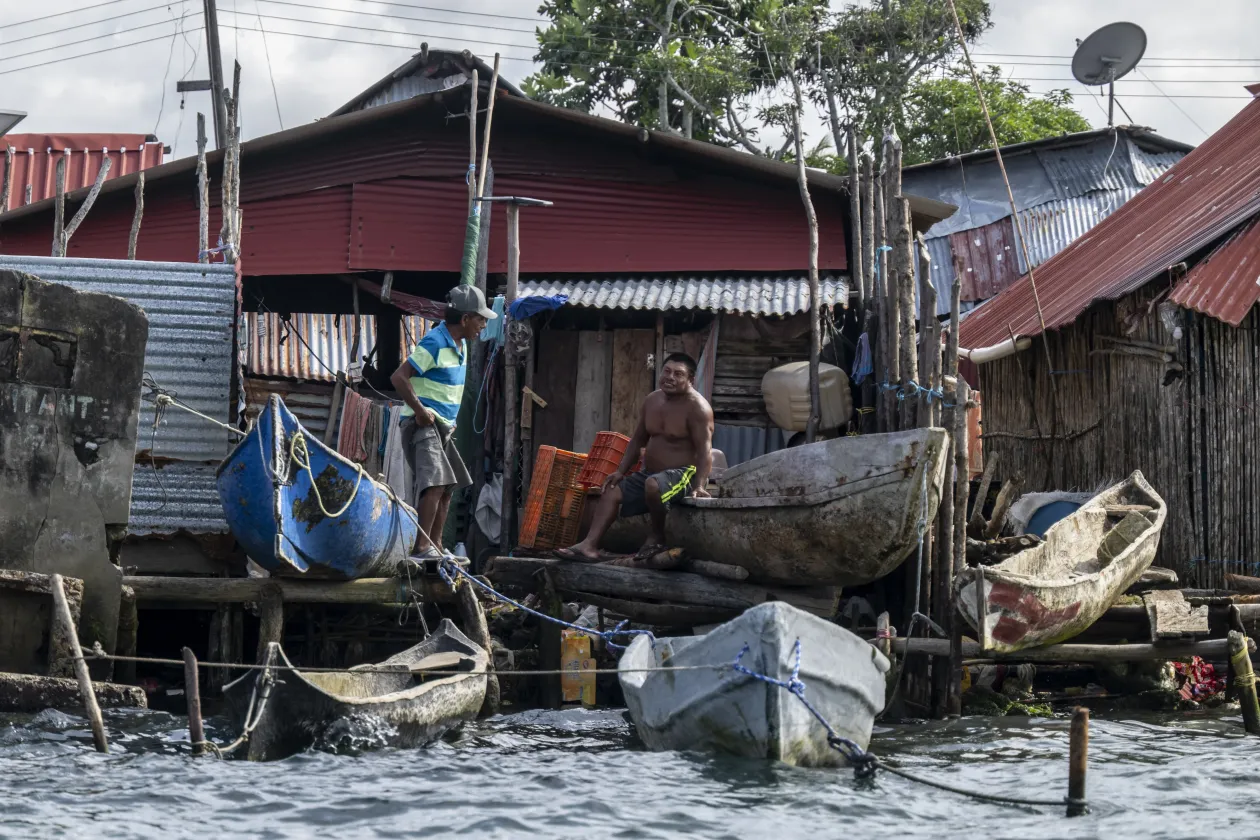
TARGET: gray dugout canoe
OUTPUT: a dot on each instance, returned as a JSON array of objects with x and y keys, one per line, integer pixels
[{"x": 723, "y": 710}]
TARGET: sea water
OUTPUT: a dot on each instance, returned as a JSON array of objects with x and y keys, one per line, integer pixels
[{"x": 583, "y": 774}]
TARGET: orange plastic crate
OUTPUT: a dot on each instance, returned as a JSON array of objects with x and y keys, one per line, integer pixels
[
  {"x": 553, "y": 506},
  {"x": 604, "y": 458}
]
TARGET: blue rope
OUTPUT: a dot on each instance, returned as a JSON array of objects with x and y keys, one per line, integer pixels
[
  {"x": 447, "y": 566},
  {"x": 481, "y": 392},
  {"x": 912, "y": 388},
  {"x": 864, "y": 762}
]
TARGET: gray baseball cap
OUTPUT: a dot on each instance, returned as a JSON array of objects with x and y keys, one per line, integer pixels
[{"x": 465, "y": 298}]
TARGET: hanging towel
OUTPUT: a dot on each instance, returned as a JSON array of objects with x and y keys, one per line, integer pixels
[
  {"x": 489, "y": 512},
  {"x": 494, "y": 328},
  {"x": 354, "y": 419}
]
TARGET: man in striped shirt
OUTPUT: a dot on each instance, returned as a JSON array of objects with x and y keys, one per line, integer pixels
[{"x": 431, "y": 383}]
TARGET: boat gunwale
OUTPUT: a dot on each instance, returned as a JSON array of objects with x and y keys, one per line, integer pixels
[
  {"x": 996, "y": 572},
  {"x": 412, "y": 693}
]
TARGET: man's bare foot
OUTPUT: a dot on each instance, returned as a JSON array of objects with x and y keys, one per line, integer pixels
[{"x": 578, "y": 553}]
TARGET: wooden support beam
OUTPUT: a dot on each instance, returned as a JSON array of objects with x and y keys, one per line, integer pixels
[
  {"x": 149, "y": 588},
  {"x": 1078, "y": 761},
  {"x": 7, "y": 187},
  {"x": 87, "y": 205},
  {"x": 270, "y": 619},
  {"x": 192, "y": 694},
  {"x": 203, "y": 193},
  {"x": 128, "y": 628},
  {"x": 1211, "y": 650},
  {"x": 473, "y": 617},
  {"x": 1006, "y": 497},
  {"x": 651, "y": 585}
]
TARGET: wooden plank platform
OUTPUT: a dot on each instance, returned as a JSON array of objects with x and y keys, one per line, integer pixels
[
  {"x": 1172, "y": 617},
  {"x": 240, "y": 590}
]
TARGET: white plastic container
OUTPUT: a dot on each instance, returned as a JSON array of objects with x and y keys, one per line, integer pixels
[{"x": 786, "y": 392}]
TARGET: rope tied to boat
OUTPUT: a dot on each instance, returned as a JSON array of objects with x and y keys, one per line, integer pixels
[
  {"x": 1237, "y": 661},
  {"x": 864, "y": 762},
  {"x": 446, "y": 566},
  {"x": 300, "y": 455},
  {"x": 257, "y": 700}
]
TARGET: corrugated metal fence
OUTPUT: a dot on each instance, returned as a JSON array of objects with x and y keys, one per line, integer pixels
[{"x": 191, "y": 308}]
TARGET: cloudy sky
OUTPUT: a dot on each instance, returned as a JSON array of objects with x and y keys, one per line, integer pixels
[{"x": 91, "y": 65}]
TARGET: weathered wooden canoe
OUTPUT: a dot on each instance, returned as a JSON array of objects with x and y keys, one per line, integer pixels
[
  {"x": 279, "y": 515},
  {"x": 302, "y": 704},
  {"x": 725, "y": 710},
  {"x": 1056, "y": 589},
  {"x": 841, "y": 511}
]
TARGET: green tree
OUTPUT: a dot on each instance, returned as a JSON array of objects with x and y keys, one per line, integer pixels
[
  {"x": 720, "y": 71},
  {"x": 943, "y": 117}
]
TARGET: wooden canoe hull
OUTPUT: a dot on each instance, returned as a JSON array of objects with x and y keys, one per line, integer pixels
[
  {"x": 302, "y": 706},
  {"x": 839, "y": 512},
  {"x": 724, "y": 710},
  {"x": 1055, "y": 590}
]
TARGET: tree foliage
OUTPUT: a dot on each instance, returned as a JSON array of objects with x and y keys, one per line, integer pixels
[
  {"x": 720, "y": 71},
  {"x": 942, "y": 117}
]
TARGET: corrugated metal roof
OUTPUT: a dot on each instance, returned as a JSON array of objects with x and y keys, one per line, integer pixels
[
  {"x": 1227, "y": 284},
  {"x": 175, "y": 497},
  {"x": 1052, "y": 226},
  {"x": 272, "y": 349},
  {"x": 1207, "y": 193},
  {"x": 191, "y": 308},
  {"x": 35, "y": 161},
  {"x": 740, "y": 295},
  {"x": 1077, "y": 170},
  {"x": 426, "y": 72}
]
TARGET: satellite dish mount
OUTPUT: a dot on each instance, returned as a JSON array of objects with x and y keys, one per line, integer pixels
[{"x": 1108, "y": 54}]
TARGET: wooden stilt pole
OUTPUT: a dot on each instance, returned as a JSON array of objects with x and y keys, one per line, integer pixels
[
  {"x": 1244, "y": 681},
  {"x": 192, "y": 693},
  {"x": 270, "y": 620},
  {"x": 1078, "y": 761},
  {"x": 511, "y": 391},
  {"x": 473, "y": 617},
  {"x": 128, "y": 626},
  {"x": 8, "y": 179},
  {"x": 80, "y": 666},
  {"x": 203, "y": 193},
  {"x": 59, "y": 218}
]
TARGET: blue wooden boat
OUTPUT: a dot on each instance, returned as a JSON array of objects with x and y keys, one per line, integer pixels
[{"x": 298, "y": 507}]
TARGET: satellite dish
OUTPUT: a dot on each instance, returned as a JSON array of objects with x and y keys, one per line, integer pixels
[{"x": 1108, "y": 54}]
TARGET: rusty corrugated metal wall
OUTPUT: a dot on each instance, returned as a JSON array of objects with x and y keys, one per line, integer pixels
[{"x": 35, "y": 161}]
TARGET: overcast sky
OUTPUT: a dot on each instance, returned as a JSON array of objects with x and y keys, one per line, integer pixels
[{"x": 1199, "y": 53}]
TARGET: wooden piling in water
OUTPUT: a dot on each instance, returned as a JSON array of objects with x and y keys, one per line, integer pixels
[
  {"x": 1078, "y": 760},
  {"x": 192, "y": 693},
  {"x": 270, "y": 619},
  {"x": 473, "y": 618},
  {"x": 80, "y": 666},
  {"x": 1244, "y": 681}
]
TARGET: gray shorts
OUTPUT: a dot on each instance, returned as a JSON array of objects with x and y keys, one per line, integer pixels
[
  {"x": 435, "y": 461},
  {"x": 671, "y": 483}
]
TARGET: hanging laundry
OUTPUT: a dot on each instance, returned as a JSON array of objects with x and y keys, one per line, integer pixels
[
  {"x": 354, "y": 419},
  {"x": 397, "y": 466},
  {"x": 493, "y": 330}
]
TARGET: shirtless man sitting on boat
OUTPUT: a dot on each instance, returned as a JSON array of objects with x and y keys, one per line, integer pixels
[{"x": 676, "y": 428}]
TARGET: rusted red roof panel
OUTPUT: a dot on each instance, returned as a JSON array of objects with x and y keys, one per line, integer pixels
[
  {"x": 1227, "y": 284},
  {"x": 1209, "y": 192},
  {"x": 35, "y": 160}
]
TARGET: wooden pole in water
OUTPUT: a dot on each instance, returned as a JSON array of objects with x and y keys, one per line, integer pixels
[
  {"x": 1078, "y": 760},
  {"x": 270, "y": 619},
  {"x": 192, "y": 693},
  {"x": 1244, "y": 681},
  {"x": 473, "y": 618},
  {"x": 80, "y": 666}
]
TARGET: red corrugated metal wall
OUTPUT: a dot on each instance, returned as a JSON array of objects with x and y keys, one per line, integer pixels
[
  {"x": 35, "y": 160},
  {"x": 395, "y": 198},
  {"x": 707, "y": 224}
]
